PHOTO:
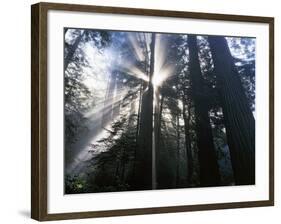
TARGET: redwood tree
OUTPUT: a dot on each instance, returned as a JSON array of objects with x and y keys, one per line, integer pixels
[
  {"x": 143, "y": 173},
  {"x": 239, "y": 119},
  {"x": 209, "y": 171}
]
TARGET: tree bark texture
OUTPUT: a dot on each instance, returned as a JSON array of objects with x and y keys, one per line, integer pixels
[
  {"x": 209, "y": 171},
  {"x": 239, "y": 119},
  {"x": 144, "y": 153}
]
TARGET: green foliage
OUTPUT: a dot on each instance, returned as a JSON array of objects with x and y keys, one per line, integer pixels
[{"x": 75, "y": 184}]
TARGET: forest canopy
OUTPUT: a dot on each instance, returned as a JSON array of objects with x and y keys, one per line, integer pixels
[{"x": 147, "y": 111}]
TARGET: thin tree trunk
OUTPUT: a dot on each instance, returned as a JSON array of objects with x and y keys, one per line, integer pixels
[
  {"x": 117, "y": 168},
  {"x": 139, "y": 110},
  {"x": 189, "y": 159},
  {"x": 209, "y": 171},
  {"x": 158, "y": 120},
  {"x": 142, "y": 87},
  {"x": 178, "y": 153},
  {"x": 137, "y": 132},
  {"x": 239, "y": 119},
  {"x": 122, "y": 175}
]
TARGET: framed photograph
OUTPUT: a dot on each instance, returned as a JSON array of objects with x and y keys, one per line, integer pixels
[{"x": 139, "y": 111}]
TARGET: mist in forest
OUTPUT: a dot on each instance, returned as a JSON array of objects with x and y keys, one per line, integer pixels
[{"x": 146, "y": 111}]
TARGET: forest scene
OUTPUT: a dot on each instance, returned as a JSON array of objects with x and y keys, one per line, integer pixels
[{"x": 146, "y": 111}]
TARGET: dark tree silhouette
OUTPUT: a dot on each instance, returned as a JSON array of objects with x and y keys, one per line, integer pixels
[
  {"x": 239, "y": 119},
  {"x": 209, "y": 172},
  {"x": 144, "y": 152},
  {"x": 186, "y": 112}
]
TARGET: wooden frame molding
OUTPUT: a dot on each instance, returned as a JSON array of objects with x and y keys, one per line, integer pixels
[{"x": 39, "y": 106}]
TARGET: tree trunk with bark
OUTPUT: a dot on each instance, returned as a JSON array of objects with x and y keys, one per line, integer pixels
[
  {"x": 144, "y": 153},
  {"x": 209, "y": 171},
  {"x": 178, "y": 150},
  {"x": 157, "y": 133},
  {"x": 239, "y": 119},
  {"x": 189, "y": 158}
]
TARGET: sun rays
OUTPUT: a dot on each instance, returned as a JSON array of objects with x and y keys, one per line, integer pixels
[{"x": 103, "y": 66}]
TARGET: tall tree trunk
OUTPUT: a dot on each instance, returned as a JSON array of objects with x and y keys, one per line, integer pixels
[
  {"x": 117, "y": 166},
  {"x": 157, "y": 124},
  {"x": 239, "y": 119},
  {"x": 139, "y": 109},
  {"x": 72, "y": 50},
  {"x": 189, "y": 159},
  {"x": 158, "y": 108},
  {"x": 144, "y": 153},
  {"x": 178, "y": 151},
  {"x": 143, "y": 85},
  {"x": 137, "y": 131},
  {"x": 157, "y": 135},
  {"x": 209, "y": 171}
]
